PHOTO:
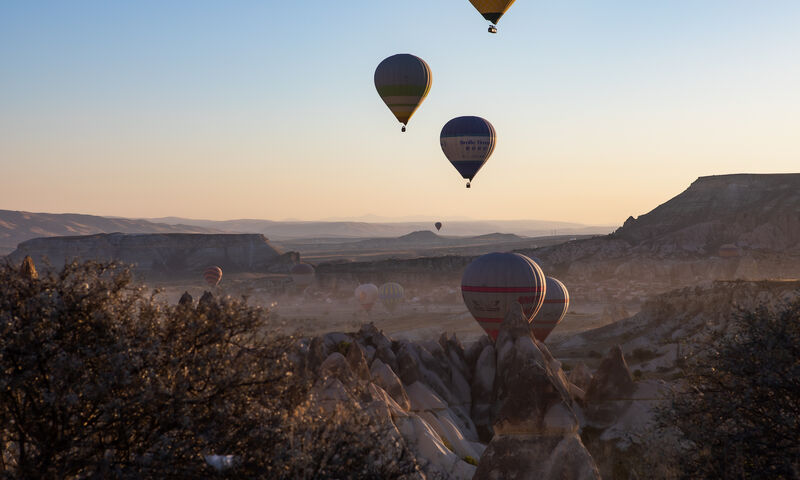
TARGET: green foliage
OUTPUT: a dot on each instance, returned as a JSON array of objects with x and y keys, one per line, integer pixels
[
  {"x": 739, "y": 413},
  {"x": 99, "y": 380},
  {"x": 470, "y": 460},
  {"x": 448, "y": 444},
  {"x": 343, "y": 347}
]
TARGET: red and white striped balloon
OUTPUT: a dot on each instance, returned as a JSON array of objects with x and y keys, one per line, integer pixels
[
  {"x": 212, "y": 275},
  {"x": 554, "y": 308},
  {"x": 493, "y": 282}
]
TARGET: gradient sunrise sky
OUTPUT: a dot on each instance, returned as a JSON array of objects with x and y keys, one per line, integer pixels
[{"x": 267, "y": 109}]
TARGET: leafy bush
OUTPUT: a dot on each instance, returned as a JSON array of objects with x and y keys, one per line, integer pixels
[
  {"x": 739, "y": 413},
  {"x": 100, "y": 380}
]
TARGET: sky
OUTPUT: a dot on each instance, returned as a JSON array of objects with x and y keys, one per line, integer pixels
[{"x": 267, "y": 109}]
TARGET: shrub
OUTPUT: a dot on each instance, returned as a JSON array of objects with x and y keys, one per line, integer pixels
[
  {"x": 739, "y": 413},
  {"x": 99, "y": 380}
]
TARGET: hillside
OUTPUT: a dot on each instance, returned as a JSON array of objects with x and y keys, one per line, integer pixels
[
  {"x": 17, "y": 227},
  {"x": 752, "y": 211},
  {"x": 172, "y": 254},
  {"x": 306, "y": 230}
]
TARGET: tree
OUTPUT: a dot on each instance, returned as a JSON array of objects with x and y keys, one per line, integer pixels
[
  {"x": 100, "y": 380},
  {"x": 738, "y": 415}
]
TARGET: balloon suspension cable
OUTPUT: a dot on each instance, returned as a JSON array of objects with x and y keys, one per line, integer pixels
[{"x": 403, "y": 128}]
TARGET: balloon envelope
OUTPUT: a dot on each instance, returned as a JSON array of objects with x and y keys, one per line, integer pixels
[
  {"x": 468, "y": 142},
  {"x": 554, "y": 308},
  {"x": 438, "y": 226},
  {"x": 212, "y": 275},
  {"x": 366, "y": 295},
  {"x": 493, "y": 282},
  {"x": 403, "y": 81},
  {"x": 492, "y": 10},
  {"x": 391, "y": 295},
  {"x": 302, "y": 274}
]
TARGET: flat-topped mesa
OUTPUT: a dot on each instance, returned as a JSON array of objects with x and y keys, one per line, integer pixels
[
  {"x": 727, "y": 209},
  {"x": 166, "y": 254}
]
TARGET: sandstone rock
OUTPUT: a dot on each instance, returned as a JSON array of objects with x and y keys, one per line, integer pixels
[
  {"x": 423, "y": 398},
  {"x": 609, "y": 393},
  {"x": 384, "y": 377},
  {"x": 530, "y": 397},
  {"x": 185, "y": 299},
  {"x": 536, "y": 428},
  {"x": 207, "y": 298},
  {"x": 28, "y": 269},
  {"x": 336, "y": 366},
  {"x": 168, "y": 254},
  {"x": 536, "y": 458},
  {"x": 482, "y": 390},
  {"x": 357, "y": 361},
  {"x": 580, "y": 376},
  {"x": 612, "y": 380},
  {"x": 436, "y": 460}
]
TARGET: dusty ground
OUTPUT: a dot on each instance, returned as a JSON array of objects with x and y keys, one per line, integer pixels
[{"x": 420, "y": 317}]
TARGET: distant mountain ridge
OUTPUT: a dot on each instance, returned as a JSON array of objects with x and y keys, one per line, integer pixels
[
  {"x": 295, "y": 230},
  {"x": 17, "y": 226}
]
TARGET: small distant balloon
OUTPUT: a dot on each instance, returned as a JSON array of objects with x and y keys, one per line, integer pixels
[
  {"x": 403, "y": 81},
  {"x": 438, "y": 226},
  {"x": 366, "y": 295},
  {"x": 391, "y": 295},
  {"x": 493, "y": 282},
  {"x": 212, "y": 275},
  {"x": 468, "y": 142},
  {"x": 554, "y": 309},
  {"x": 302, "y": 274}
]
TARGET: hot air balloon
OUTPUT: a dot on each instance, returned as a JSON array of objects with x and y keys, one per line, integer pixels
[
  {"x": 403, "y": 81},
  {"x": 366, "y": 295},
  {"x": 492, "y": 282},
  {"x": 492, "y": 10},
  {"x": 554, "y": 308},
  {"x": 438, "y": 226},
  {"x": 468, "y": 142},
  {"x": 729, "y": 250},
  {"x": 302, "y": 274},
  {"x": 391, "y": 295},
  {"x": 212, "y": 275}
]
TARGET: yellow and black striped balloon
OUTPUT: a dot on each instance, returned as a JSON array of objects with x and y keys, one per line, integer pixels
[
  {"x": 391, "y": 295},
  {"x": 492, "y": 10}
]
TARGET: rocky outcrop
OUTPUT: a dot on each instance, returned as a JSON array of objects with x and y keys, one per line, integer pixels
[
  {"x": 610, "y": 390},
  {"x": 751, "y": 211},
  {"x": 165, "y": 254},
  {"x": 17, "y": 227},
  {"x": 535, "y": 425}
]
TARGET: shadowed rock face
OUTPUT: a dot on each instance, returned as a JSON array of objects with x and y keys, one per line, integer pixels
[
  {"x": 535, "y": 426},
  {"x": 609, "y": 393},
  {"x": 759, "y": 211},
  {"x": 169, "y": 254}
]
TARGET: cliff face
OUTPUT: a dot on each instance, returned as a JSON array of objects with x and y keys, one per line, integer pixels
[
  {"x": 169, "y": 254},
  {"x": 751, "y": 211},
  {"x": 17, "y": 227}
]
